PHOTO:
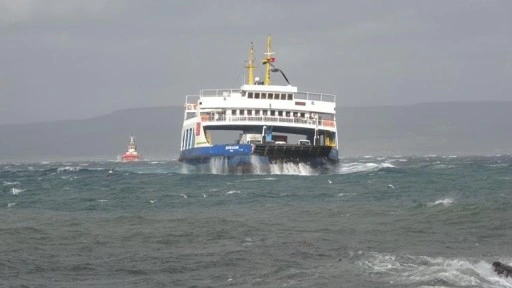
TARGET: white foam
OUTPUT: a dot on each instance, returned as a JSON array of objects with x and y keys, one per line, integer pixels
[
  {"x": 67, "y": 168},
  {"x": 233, "y": 192},
  {"x": 410, "y": 270},
  {"x": 16, "y": 191},
  {"x": 218, "y": 165},
  {"x": 347, "y": 168},
  {"x": 444, "y": 202},
  {"x": 9, "y": 205},
  {"x": 7, "y": 183},
  {"x": 292, "y": 169}
]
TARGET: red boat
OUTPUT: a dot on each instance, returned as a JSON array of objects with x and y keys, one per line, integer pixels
[{"x": 131, "y": 154}]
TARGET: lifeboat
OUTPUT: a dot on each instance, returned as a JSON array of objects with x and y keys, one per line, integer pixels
[{"x": 131, "y": 154}]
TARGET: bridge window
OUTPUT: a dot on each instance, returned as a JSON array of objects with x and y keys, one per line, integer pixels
[
  {"x": 303, "y": 115},
  {"x": 256, "y": 112},
  {"x": 290, "y": 96},
  {"x": 272, "y": 112},
  {"x": 242, "y": 112},
  {"x": 283, "y": 96},
  {"x": 263, "y": 95},
  {"x": 233, "y": 112},
  {"x": 256, "y": 95},
  {"x": 249, "y": 112},
  {"x": 265, "y": 112},
  {"x": 280, "y": 113},
  {"x": 295, "y": 114},
  {"x": 270, "y": 95},
  {"x": 249, "y": 95},
  {"x": 287, "y": 113}
]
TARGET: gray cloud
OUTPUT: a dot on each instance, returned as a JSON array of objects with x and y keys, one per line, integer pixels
[{"x": 75, "y": 59}]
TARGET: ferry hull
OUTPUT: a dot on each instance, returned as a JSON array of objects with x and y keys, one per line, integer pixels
[
  {"x": 247, "y": 158},
  {"x": 130, "y": 158}
]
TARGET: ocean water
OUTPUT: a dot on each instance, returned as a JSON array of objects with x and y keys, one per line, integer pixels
[{"x": 368, "y": 222}]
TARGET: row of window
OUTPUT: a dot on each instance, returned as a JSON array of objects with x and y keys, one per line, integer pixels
[
  {"x": 188, "y": 139},
  {"x": 275, "y": 96},
  {"x": 264, "y": 112}
]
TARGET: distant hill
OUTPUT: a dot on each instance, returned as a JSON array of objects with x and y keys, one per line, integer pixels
[{"x": 459, "y": 128}]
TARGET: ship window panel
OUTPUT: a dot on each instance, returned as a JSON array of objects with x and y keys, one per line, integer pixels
[
  {"x": 233, "y": 112},
  {"x": 249, "y": 112},
  {"x": 280, "y": 113},
  {"x": 301, "y": 96},
  {"x": 295, "y": 114},
  {"x": 256, "y": 95},
  {"x": 287, "y": 113},
  {"x": 272, "y": 112},
  {"x": 290, "y": 96},
  {"x": 249, "y": 95},
  {"x": 270, "y": 96},
  {"x": 263, "y": 95},
  {"x": 189, "y": 138},
  {"x": 257, "y": 112},
  {"x": 283, "y": 96},
  {"x": 242, "y": 112},
  {"x": 303, "y": 115},
  {"x": 186, "y": 139},
  {"x": 265, "y": 112}
]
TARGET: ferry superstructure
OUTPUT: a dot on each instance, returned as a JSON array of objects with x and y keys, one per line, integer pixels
[{"x": 267, "y": 116}]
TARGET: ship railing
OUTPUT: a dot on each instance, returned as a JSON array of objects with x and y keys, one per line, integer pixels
[
  {"x": 309, "y": 96},
  {"x": 266, "y": 119},
  {"x": 192, "y": 99},
  {"x": 315, "y": 97}
]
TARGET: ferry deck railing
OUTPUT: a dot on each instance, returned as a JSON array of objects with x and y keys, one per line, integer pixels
[
  {"x": 308, "y": 96},
  {"x": 266, "y": 119}
]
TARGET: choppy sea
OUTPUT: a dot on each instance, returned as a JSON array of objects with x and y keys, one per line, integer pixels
[{"x": 368, "y": 222}]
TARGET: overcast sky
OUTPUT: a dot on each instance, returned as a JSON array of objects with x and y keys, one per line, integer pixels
[{"x": 65, "y": 59}]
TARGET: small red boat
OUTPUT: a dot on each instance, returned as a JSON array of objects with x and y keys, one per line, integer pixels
[{"x": 131, "y": 154}]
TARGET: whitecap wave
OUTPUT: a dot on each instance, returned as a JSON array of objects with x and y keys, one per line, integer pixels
[
  {"x": 233, "y": 192},
  {"x": 7, "y": 183},
  {"x": 68, "y": 168},
  {"x": 347, "y": 168},
  {"x": 16, "y": 191},
  {"x": 444, "y": 202},
  {"x": 426, "y": 271}
]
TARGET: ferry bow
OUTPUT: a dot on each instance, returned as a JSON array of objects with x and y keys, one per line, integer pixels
[{"x": 276, "y": 123}]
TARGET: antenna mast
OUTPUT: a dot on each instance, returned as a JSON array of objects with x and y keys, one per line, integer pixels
[
  {"x": 268, "y": 60},
  {"x": 250, "y": 66}
]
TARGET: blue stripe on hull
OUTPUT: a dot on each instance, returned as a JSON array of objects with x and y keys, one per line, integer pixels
[{"x": 223, "y": 150}]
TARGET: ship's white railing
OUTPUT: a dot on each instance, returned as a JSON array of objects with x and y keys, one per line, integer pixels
[
  {"x": 308, "y": 96},
  {"x": 266, "y": 119}
]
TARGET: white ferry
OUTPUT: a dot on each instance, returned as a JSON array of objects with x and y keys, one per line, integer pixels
[{"x": 276, "y": 124}]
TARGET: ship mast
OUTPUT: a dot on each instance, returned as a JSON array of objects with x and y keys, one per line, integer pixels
[
  {"x": 268, "y": 60},
  {"x": 250, "y": 66}
]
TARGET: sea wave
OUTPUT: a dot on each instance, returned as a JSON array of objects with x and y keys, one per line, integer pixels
[
  {"x": 443, "y": 202},
  {"x": 424, "y": 271},
  {"x": 347, "y": 168}
]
